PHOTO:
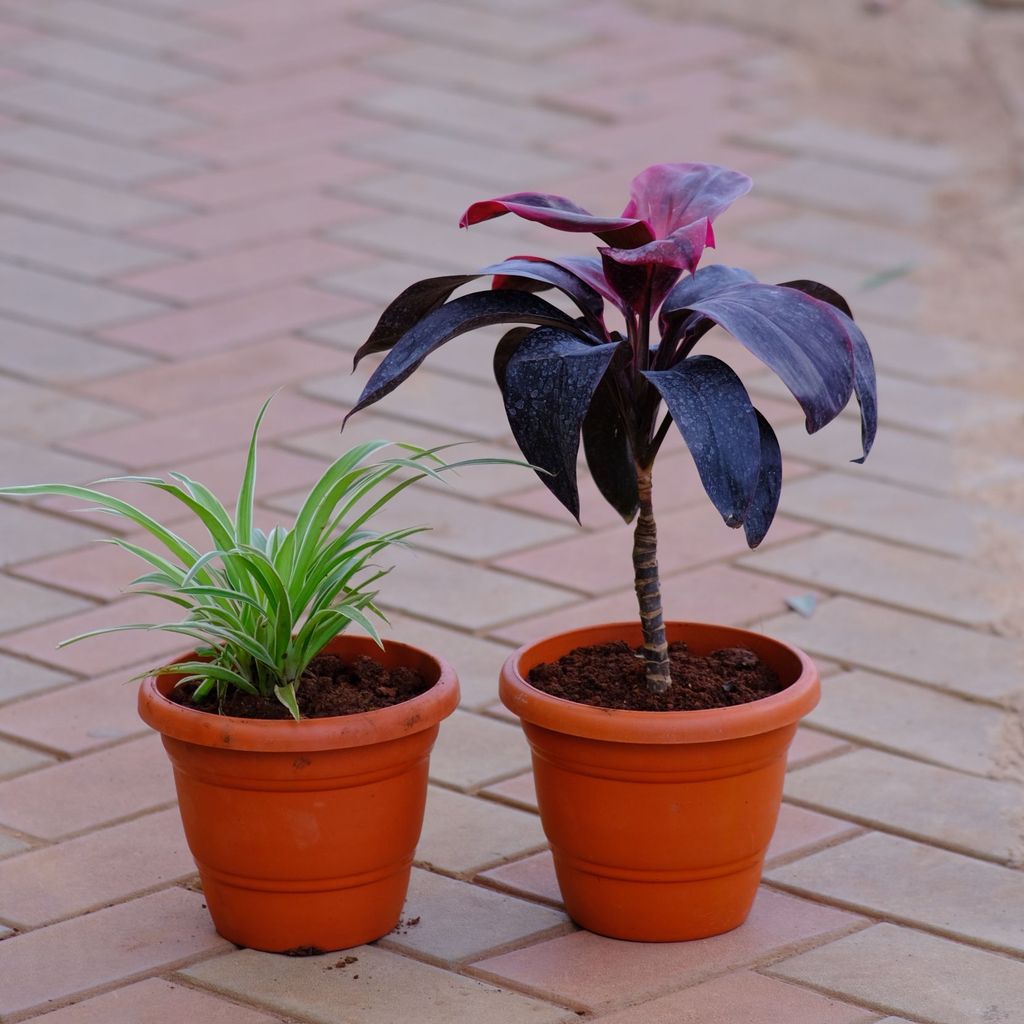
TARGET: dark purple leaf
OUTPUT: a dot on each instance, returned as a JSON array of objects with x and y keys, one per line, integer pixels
[
  {"x": 701, "y": 285},
  {"x": 408, "y": 308},
  {"x": 711, "y": 408},
  {"x": 550, "y": 377},
  {"x": 763, "y": 505},
  {"x": 864, "y": 384},
  {"x": 668, "y": 196},
  {"x": 637, "y": 285},
  {"x": 467, "y": 313},
  {"x": 511, "y": 273},
  {"x": 559, "y": 213},
  {"x": 609, "y": 449},
  {"x": 798, "y": 337}
]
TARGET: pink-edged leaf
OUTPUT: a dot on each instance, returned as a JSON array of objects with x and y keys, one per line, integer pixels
[
  {"x": 590, "y": 270},
  {"x": 534, "y": 274},
  {"x": 669, "y": 196},
  {"x": 639, "y": 286},
  {"x": 559, "y": 213}
]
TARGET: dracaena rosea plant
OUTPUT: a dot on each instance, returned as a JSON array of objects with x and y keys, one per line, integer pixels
[{"x": 567, "y": 375}]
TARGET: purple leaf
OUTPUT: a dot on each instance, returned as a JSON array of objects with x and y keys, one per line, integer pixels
[
  {"x": 711, "y": 408},
  {"x": 480, "y": 309},
  {"x": 765, "y": 501},
  {"x": 669, "y": 196},
  {"x": 800, "y": 338},
  {"x": 559, "y": 213},
  {"x": 609, "y": 449},
  {"x": 550, "y": 377},
  {"x": 701, "y": 285},
  {"x": 512, "y": 272}
]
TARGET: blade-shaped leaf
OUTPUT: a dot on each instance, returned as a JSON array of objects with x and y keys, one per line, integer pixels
[
  {"x": 799, "y": 337},
  {"x": 711, "y": 408},
  {"x": 609, "y": 449},
  {"x": 550, "y": 379},
  {"x": 243, "y": 510},
  {"x": 763, "y": 505},
  {"x": 701, "y": 285},
  {"x": 511, "y": 272},
  {"x": 481, "y": 309}
]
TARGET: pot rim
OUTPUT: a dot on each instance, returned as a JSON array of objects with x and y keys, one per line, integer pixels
[
  {"x": 779, "y": 710},
  {"x": 286, "y": 735}
]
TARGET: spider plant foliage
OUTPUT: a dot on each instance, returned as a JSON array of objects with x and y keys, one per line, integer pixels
[
  {"x": 570, "y": 376},
  {"x": 260, "y": 606}
]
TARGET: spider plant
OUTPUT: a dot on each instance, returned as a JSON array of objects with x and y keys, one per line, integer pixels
[{"x": 261, "y": 605}]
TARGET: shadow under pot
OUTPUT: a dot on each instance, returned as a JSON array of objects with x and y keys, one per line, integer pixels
[
  {"x": 659, "y": 821},
  {"x": 304, "y": 832}
]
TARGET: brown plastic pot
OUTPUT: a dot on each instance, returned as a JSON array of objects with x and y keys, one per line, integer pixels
[
  {"x": 659, "y": 821},
  {"x": 304, "y": 832}
]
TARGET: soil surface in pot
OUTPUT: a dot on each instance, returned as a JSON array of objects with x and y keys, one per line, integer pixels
[
  {"x": 330, "y": 686},
  {"x": 612, "y": 676}
]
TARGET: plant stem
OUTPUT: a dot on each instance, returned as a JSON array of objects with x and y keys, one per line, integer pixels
[{"x": 648, "y": 588}]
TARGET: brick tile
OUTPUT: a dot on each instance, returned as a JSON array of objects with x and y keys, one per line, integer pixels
[
  {"x": 262, "y": 99},
  {"x": 293, "y": 49},
  {"x": 591, "y": 971},
  {"x": 380, "y": 988},
  {"x": 238, "y": 146},
  {"x": 871, "y": 248},
  {"x": 171, "y": 440},
  {"x": 100, "y": 66},
  {"x": 15, "y": 759},
  {"x": 103, "y": 867},
  {"x": 712, "y": 594},
  {"x": 55, "y": 247},
  {"x": 244, "y": 270},
  {"x": 26, "y": 533},
  {"x": 156, "y": 1001},
  {"x": 120, "y": 943},
  {"x": 89, "y": 792},
  {"x": 472, "y": 597},
  {"x": 935, "y": 523},
  {"x": 947, "y": 657},
  {"x": 75, "y": 107},
  {"x": 137, "y": 31},
  {"x": 904, "y": 971},
  {"x": 269, "y": 15},
  {"x": 597, "y": 563},
  {"x": 416, "y": 192},
  {"x": 457, "y": 921},
  {"x": 922, "y": 801},
  {"x": 477, "y": 162},
  {"x": 473, "y": 750},
  {"x": 815, "y": 137},
  {"x": 926, "y": 356},
  {"x": 915, "y": 884},
  {"x": 104, "y": 160},
  {"x": 102, "y": 653},
  {"x": 533, "y": 876},
  {"x": 227, "y": 322},
  {"x": 476, "y": 661},
  {"x": 22, "y": 678},
  {"x": 900, "y": 457},
  {"x": 38, "y": 413},
  {"x": 463, "y": 833},
  {"x": 378, "y": 282},
  {"x": 24, "y": 604},
  {"x": 8, "y": 847},
  {"x": 427, "y": 397},
  {"x": 483, "y": 30},
  {"x": 292, "y": 215},
  {"x": 250, "y": 369},
  {"x": 65, "y": 303},
  {"x": 800, "y": 830},
  {"x": 849, "y": 190},
  {"x": 921, "y": 582},
  {"x": 79, "y": 718},
  {"x": 479, "y": 72},
  {"x": 742, "y": 996},
  {"x": 520, "y": 790},
  {"x": 235, "y": 186},
  {"x": 32, "y": 464},
  {"x": 809, "y": 746},
  {"x": 913, "y": 720},
  {"x": 464, "y": 114}
]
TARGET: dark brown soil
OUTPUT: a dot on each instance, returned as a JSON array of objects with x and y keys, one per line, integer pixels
[
  {"x": 330, "y": 686},
  {"x": 612, "y": 676}
]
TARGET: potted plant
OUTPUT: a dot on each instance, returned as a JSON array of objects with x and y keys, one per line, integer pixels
[
  {"x": 300, "y": 753},
  {"x": 659, "y": 750}
]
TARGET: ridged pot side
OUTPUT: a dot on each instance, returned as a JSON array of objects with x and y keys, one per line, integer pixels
[
  {"x": 304, "y": 832},
  {"x": 659, "y": 821}
]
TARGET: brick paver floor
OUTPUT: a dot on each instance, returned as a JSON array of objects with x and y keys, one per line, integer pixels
[{"x": 204, "y": 200}]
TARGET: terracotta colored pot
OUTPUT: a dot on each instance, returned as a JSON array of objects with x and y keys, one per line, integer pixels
[
  {"x": 304, "y": 832},
  {"x": 659, "y": 821}
]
